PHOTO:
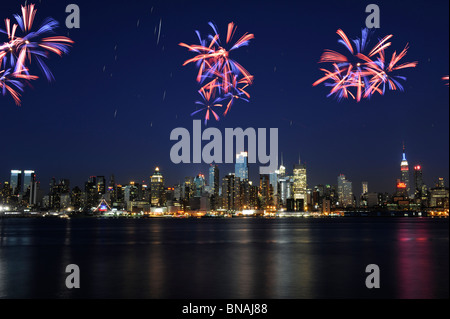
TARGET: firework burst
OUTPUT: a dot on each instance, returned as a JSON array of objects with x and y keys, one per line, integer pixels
[
  {"x": 363, "y": 69},
  {"x": 216, "y": 69},
  {"x": 26, "y": 45},
  {"x": 209, "y": 103}
]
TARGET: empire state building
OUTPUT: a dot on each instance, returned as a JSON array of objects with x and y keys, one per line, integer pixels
[{"x": 404, "y": 167}]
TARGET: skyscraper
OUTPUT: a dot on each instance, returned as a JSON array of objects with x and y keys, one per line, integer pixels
[
  {"x": 345, "y": 192},
  {"x": 214, "y": 179},
  {"x": 231, "y": 192},
  {"x": 404, "y": 168},
  {"x": 300, "y": 182},
  {"x": 32, "y": 187},
  {"x": 91, "y": 192},
  {"x": 265, "y": 190},
  {"x": 16, "y": 182},
  {"x": 214, "y": 185},
  {"x": 365, "y": 187},
  {"x": 157, "y": 188},
  {"x": 418, "y": 181},
  {"x": 241, "y": 166},
  {"x": 112, "y": 189},
  {"x": 28, "y": 176},
  {"x": 199, "y": 182},
  {"x": 101, "y": 185}
]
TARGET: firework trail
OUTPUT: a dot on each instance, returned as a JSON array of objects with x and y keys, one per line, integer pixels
[
  {"x": 382, "y": 72},
  {"x": 362, "y": 69},
  {"x": 26, "y": 44},
  {"x": 445, "y": 78},
  {"x": 209, "y": 102},
  {"x": 10, "y": 84},
  {"x": 217, "y": 70}
]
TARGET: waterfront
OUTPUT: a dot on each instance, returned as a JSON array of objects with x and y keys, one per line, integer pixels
[{"x": 285, "y": 258}]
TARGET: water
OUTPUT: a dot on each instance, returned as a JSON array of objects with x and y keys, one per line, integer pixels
[{"x": 225, "y": 258}]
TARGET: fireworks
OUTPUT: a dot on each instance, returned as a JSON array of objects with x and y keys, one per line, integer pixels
[
  {"x": 209, "y": 103},
  {"x": 221, "y": 77},
  {"x": 32, "y": 45},
  {"x": 363, "y": 72},
  {"x": 445, "y": 78}
]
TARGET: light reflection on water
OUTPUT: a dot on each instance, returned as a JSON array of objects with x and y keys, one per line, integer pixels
[{"x": 224, "y": 258}]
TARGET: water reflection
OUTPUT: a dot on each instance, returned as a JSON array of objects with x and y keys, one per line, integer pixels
[
  {"x": 235, "y": 258},
  {"x": 415, "y": 263}
]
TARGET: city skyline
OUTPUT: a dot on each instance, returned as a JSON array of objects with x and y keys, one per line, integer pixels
[
  {"x": 404, "y": 175},
  {"x": 281, "y": 189}
]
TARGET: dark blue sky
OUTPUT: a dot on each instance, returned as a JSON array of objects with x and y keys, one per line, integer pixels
[{"x": 95, "y": 122}]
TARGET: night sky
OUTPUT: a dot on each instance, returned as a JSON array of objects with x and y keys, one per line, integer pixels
[{"x": 119, "y": 94}]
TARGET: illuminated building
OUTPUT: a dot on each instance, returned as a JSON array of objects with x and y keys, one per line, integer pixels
[
  {"x": 439, "y": 196},
  {"x": 27, "y": 179},
  {"x": 402, "y": 189},
  {"x": 345, "y": 192},
  {"x": 6, "y": 193},
  {"x": 32, "y": 189},
  {"x": 77, "y": 198},
  {"x": 363, "y": 201},
  {"x": 420, "y": 189},
  {"x": 231, "y": 192},
  {"x": 245, "y": 195},
  {"x": 101, "y": 185},
  {"x": 16, "y": 182},
  {"x": 282, "y": 169},
  {"x": 112, "y": 189},
  {"x": 157, "y": 188},
  {"x": 199, "y": 182},
  {"x": 265, "y": 190},
  {"x": 365, "y": 187},
  {"x": 404, "y": 168},
  {"x": 253, "y": 197},
  {"x": 214, "y": 179},
  {"x": 295, "y": 205},
  {"x": 241, "y": 166},
  {"x": 188, "y": 190},
  {"x": 214, "y": 186},
  {"x": 300, "y": 183},
  {"x": 91, "y": 191}
]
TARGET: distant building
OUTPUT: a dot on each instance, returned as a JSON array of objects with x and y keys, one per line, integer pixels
[
  {"x": 404, "y": 169},
  {"x": 241, "y": 166},
  {"x": 91, "y": 192},
  {"x": 326, "y": 206},
  {"x": 300, "y": 183},
  {"x": 295, "y": 205},
  {"x": 214, "y": 185},
  {"x": 200, "y": 183},
  {"x": 345, "y": 192},
  {"x": 372, "y": 200},
  {"x": 16, "y": 182},
  {"x": 439, "y": 195},
  {"x": 231, "y": 192},
  {"x": 101, "y": 185},
  {"x": 286, "y": 187},
  {"x": 265, "y": 190},
  {"x": 157, "y": 188},
  {"x": 365, "y": 187}
]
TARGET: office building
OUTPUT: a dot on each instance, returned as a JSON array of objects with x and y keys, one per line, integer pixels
[
  {"x": 214, "y": 185},
  {"x": 16, "y": 182},
  {"x": 345, "y": 192},
  {"x": 300, "y": 183},
  {"x": 241, "y": 166},
  {"x": 231, "y": 192},
  {"x": 157, "y": 188},
  {"x": 404, "y": 169}
]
